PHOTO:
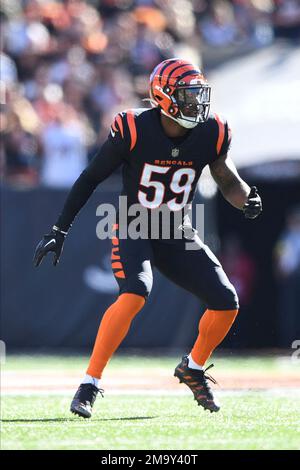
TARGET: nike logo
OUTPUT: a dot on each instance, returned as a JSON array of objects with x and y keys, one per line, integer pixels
[{"x": 52, "y": 240}]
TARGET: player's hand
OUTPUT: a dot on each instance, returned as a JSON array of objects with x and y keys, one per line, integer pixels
[
  {"x": 253, "y": 206},
  {"x": 52, "y": 242}
]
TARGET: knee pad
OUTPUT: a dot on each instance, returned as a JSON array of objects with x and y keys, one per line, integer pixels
[
  {"x": 139, "y": 284},
  {"x": 229, "y": 299},
  {"x": 225, "y": 299}
]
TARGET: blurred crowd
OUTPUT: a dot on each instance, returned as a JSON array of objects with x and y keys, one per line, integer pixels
[{"x": 68, "y": 66}]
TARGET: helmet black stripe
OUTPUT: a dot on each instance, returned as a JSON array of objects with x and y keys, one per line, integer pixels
[
  {"x": 176, "y": 68},
  {"x": 164, "y": 68},
  {"x": 186, "y": 74}
]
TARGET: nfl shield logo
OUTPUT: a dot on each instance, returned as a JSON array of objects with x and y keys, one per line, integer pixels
[{"x": 175, "y": 152}]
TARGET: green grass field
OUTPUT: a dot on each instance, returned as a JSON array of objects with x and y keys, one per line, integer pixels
[{"x": 249, "y": 419}]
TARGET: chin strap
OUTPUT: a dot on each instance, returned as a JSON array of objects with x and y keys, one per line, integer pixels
[{"x": 182, "y": 122}]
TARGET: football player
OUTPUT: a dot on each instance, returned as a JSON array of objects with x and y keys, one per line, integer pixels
[{"x": 162, "y": 151}]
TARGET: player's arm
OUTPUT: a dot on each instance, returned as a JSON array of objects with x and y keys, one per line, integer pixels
[
  {"x": 235, "y": 190},
  {"x": 104, "y": 163}
]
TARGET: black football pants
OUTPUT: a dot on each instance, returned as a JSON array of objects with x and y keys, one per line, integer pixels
[{"x": 197, "y": 271}]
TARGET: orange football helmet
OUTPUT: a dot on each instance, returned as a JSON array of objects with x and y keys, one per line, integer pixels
[{"x": 181, "y": 91}]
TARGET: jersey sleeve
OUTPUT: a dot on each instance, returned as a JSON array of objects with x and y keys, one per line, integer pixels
[
  {"x": 222, "y": 136},
  {"x": 106, "y": 160},
  {"x": 113, "y": 153}
]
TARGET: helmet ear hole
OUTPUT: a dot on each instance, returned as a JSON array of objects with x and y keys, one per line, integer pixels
[{"x": 173, "y": 110}]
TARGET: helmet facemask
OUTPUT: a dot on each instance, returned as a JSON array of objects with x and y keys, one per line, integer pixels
[{"x": 193, "y": 104}]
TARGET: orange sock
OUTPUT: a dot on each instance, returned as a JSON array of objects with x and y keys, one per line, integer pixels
[
  {"x": 112, "y": 330},
  {"x": 213, "y": 327}
]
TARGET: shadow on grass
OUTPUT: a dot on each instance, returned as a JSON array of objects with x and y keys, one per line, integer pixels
[{"x": 62, "y": 420}]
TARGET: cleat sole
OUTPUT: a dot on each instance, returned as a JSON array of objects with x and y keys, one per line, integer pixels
[
  {"x": 180, "y": 380},
  {"x": 81, "y": 413}
]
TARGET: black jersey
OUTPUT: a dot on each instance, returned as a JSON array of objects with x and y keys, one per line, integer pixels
[
  {"x": 156, "y": 169},
  {"x": 160, "y": 170}
]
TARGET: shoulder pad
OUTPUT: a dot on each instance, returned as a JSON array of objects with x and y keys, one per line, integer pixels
[{"x": 125, "y": 123}]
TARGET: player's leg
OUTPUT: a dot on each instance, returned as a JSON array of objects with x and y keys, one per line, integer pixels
[
  {"x": 131, "y": 264},
  {"x": 201, "y": 273}
]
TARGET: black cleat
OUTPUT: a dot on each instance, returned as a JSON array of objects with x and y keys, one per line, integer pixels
[
  {"x": 196, "y": 380},
  {"x": 84, "y": 400}
]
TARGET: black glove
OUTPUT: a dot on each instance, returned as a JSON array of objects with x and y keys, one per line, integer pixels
[
  {"x": 51, "y": 242},
  {"x": 253, "y": 206}
]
